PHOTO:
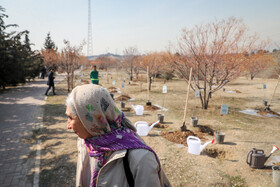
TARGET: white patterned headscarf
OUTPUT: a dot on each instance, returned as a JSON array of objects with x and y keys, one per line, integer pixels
[
  {"x": 110, "y": 129},
  {"x": 97, "y": 110}
]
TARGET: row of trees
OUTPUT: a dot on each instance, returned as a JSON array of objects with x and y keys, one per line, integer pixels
[
  {"x": 217, "y": 52},
  {"x": 67, "y": 60},
  {"x": 133, "y": 64},
  {"x": 18, "y": 61}
]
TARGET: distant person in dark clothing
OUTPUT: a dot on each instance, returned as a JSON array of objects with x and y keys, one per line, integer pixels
[
  {"x": 50, "y": 82},
  {"x": 43, "y": 73},
  {"x": 94, "y": 76}
]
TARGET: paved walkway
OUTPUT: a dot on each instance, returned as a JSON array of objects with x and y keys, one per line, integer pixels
[{"x": 20, "y": 113}]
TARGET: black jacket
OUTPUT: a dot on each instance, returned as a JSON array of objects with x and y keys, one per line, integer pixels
[{"x": 50, "y": 79}]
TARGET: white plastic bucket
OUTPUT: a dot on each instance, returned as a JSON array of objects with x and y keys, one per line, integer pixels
[
  {"x": 142, "y": 128},
  {"x": 194, "y": 144}
]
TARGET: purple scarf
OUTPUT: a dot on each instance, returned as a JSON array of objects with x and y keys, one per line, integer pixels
[{"x": 119, "y": 139}]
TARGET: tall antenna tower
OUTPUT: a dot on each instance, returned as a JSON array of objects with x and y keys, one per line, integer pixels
[{"x": 89, "y": 41}]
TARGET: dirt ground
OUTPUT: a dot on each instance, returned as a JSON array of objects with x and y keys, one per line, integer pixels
[{"x": 218, "y": 164}]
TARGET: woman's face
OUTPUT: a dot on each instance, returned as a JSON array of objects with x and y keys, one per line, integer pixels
[{"x": 75, "y": 123}]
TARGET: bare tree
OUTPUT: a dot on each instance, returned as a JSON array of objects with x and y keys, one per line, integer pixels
[
  {"x": 257, "y": 61},
  {"x": 70, "y": 59},
  {"x": 276, "y": 55},
  {"x": 154, "y": 61},
  {"x": 130, "y": 57},
  {"x": 50, "y": 57},
  {"x": 167, "y": 67},
  {"x": 215, "y": 51},
  {"x": 104, "y": 62},
  {"x": 137, "y": 67}
]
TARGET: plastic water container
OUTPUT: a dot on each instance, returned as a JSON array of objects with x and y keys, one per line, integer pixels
[
  {"x": 194, "y": 144},
  {"x": 139, "y": 109},
  {"x": 142, "y": 128}
]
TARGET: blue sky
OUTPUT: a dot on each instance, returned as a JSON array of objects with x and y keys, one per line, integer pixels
[{"x": 149, "y": 25}]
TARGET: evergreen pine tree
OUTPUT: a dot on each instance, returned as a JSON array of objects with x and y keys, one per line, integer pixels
[
  {"x": 18, "y": 61},
  {"x": 49, "y": 43}
]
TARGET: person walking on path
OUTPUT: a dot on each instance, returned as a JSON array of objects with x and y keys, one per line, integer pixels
[
  {"x": 43, "y": 72},
  {"x": 50, "y": 82},
  {"x": 94, "y": 75},
  {"x": 110, "y": 152}
]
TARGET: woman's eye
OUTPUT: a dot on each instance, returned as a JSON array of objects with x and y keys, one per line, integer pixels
[{"x": 69, "y": 117}]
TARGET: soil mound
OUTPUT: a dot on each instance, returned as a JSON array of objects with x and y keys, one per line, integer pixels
[
  {"x": 112, "y": 88},
  {"x": 127, "y": 109},
  {"x": 178, "y": 136},
  {"x": 276, "y": 164},
  {"x": 151, "y": 108},
  {"x": 237, "y": 91},
  {"x": 123, "y": 98},
  {"x": 215, "y": 153},
  {"x": 162, "y": 126},
  {"x": 206, "y": 129},
  {"x": 85, "y": 81},
  {"x": 263, "y": 112},
  {"x": 113, "y": 91}
]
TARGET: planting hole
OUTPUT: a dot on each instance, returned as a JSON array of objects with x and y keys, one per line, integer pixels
[
  {"x": 215, "y": 153},
  {"x": 151, "y": 108},
  {"x": 123, "y": 98},
  {"x": 161, "y": 126}
]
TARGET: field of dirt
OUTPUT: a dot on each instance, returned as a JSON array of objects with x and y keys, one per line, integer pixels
[{"x": 218, "y": 164}]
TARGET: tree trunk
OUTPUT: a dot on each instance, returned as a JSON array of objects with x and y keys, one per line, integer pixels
[
  {"x": 150, "y": 83},
  {"x": 207, "y": 101},
  {"x": 201, "y": 100},
  {"x": 72, "y": 80},
  {"x": 205, "y": 104},
  {"x": 68, "y": 82},
  {"x": 204, "y": 98},
  {"x": 131, "y": 74},
  {"x": 252, "y": 77}
]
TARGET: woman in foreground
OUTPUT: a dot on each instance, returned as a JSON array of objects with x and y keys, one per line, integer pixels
[{"x": 110, "y": 153}]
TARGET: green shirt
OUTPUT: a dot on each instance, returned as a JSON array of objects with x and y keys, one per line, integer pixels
[{"x": 94, "y": 77}]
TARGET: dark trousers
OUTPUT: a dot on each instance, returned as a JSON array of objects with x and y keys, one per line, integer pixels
[
  {"x": 42, "y": 75},
  {"x": 49, "y": 89}
]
